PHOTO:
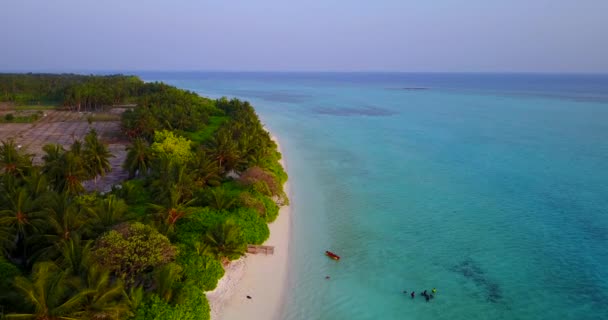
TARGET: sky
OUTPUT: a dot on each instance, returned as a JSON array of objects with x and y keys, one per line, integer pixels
[{"x": 304, "y": 35}]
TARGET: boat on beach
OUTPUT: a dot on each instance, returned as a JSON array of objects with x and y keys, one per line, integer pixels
[{"x": 332, "y": 255}]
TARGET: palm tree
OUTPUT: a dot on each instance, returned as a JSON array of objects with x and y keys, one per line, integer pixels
[
  {"x": 14, "y": 161},
  {"x": 105, "y": 298},
  {"x": 138, "y": 159},
  {"x": 181, "y": 182},
  {"x": 108, "y": 212},
  {"x": 162, "y": 182},
  {"x": 49, "y": 292},
  {"x": 22, "y": 217},
  {"x": 54, "y": 164},
  {"x": 223, "y": 149},
  {"x": 66, "y": 219},
  {"x": 65, "y": 169},
  {"x": 225, "y": 241},
  {"x": 135, "y": 296},
  {"x": 206, "y": 171},
  {"x": 65, "y": 216},
  {"x": 75, "y": 255},
  {"x": 171, "y": 179},
  {"x": 253, "y": 150},
  {"x": 165, "y": 278},
  {"x": 220, "y": 199},
  {"x": 76, "y": 148},
  {"x": 37, "y": 183},
  {"x": 174, "y": 210},
  {"x": 74, "y": 173},
  {"x": 56, "y": 294},
  {"x": 96, "y": 155}
]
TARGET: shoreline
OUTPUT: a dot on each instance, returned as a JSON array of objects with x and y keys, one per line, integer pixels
[{"x": 262, "y": 277}]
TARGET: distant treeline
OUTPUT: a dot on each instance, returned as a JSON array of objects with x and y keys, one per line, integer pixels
[{"x": 78, "y": 92}]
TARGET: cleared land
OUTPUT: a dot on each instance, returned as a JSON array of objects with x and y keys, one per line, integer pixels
[{"x": 63, "y": 127}]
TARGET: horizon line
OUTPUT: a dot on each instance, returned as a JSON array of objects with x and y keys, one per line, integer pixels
[{"x": 127, "y": 72}]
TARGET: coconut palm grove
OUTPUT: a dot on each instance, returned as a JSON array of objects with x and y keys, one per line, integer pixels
[{"x": 204, "y": 181}]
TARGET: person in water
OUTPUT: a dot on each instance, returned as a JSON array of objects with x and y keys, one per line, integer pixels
[
  {"x": 424, "y": 293},
  {"x": 427, "y": 298},
  {"x": 434, "y": 291},
  {"x": 413, "y": 294}
]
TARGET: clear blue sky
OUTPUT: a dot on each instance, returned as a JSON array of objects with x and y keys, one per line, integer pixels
[{"x": 305, "y": 35}]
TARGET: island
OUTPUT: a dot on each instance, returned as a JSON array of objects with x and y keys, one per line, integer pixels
[{"x": 125, "y": 199}]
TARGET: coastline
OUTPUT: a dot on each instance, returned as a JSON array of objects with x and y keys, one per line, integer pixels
[{"x": 262, "y": 277}]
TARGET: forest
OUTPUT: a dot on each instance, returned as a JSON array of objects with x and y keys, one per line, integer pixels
[
  {"x": 77, "y": 92},
  {"x": 204, "y": 181}
]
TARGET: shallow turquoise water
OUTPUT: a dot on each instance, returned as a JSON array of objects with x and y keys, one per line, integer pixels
[{"x": 491, "y": 188}]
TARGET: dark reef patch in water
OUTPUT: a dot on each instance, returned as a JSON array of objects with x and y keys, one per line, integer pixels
[
  {"x": 355, "y": 111},
  {"x": 472, "y": 271},
  {"x": 410, "y": 88},
  {"x": 274, "y": 96}
]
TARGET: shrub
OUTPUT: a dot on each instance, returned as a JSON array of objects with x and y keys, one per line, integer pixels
[
  {"x": 225, "y": 241},
  {"x": 277, "y": 169},
  {"x": 193, "y": 305},
  {"x": 263, "y": 205},
  {"x": 219, "y": 198},
  {"x": 254, "y": 229},
  {"x": 193, "y": 228},
  {"x": 247, "y": 200},
  {"x": 272, "y": 209},
  {"x": 261, "y": 181},
  {"x": 166, "y": 143},
  {"x": 9, "y": 117},
  {"x": 133, "y": 192},
  {"x": 202, "y": 271},
  {"x": 130, "y": 249}
]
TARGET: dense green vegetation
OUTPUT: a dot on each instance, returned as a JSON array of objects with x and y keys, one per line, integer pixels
[
  {"x": 20, "y": 117},
  {"x": 204, "y": 182},
  {"x": 75, "y": 91}
]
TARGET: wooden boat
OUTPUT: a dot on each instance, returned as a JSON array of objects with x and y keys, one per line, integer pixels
[{"x": 332, "y": 255}]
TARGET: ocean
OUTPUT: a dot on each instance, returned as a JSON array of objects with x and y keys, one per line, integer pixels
[{"x": 492, "y": 188}]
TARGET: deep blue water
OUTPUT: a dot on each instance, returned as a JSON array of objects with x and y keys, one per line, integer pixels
[{"x": 493, "y": 188}]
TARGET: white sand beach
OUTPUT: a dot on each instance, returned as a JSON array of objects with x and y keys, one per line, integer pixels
[{"x": 262, "y": 277}]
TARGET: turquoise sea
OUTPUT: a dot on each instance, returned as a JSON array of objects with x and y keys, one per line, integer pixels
[{"x": 493, "y": 188}]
